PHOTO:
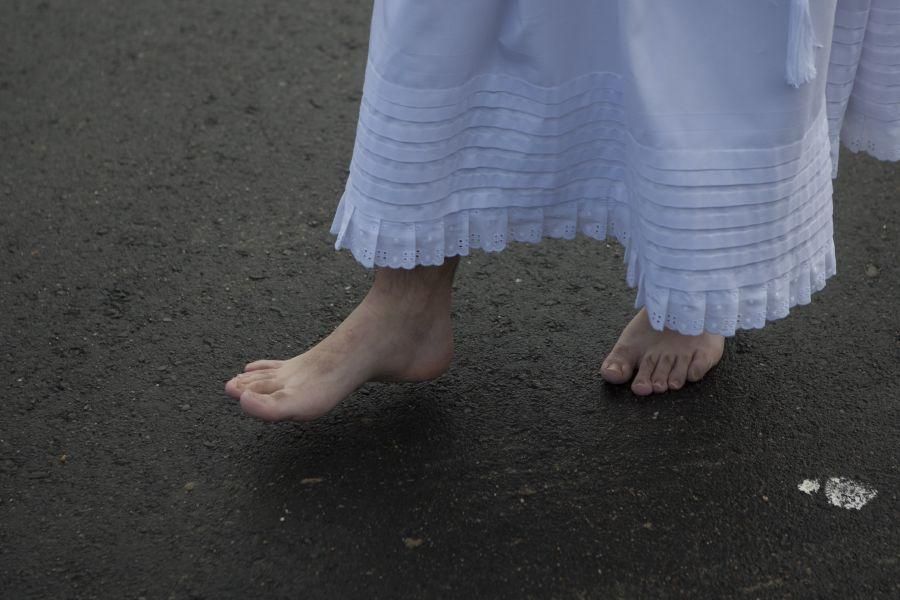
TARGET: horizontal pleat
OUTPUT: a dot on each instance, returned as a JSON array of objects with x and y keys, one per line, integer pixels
[
  {"x": 865, "y": 113},
  {"x": 716, "y": 239}
]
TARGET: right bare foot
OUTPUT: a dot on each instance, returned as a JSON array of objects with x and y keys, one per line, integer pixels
[
  {"x": 664, "y": 360},
  {"x": 399, "y": 332}
]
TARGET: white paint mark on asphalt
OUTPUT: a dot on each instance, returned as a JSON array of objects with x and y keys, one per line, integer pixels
[
  {"x": 809, "y": 486},
  {"x": 847, "y": 493}
]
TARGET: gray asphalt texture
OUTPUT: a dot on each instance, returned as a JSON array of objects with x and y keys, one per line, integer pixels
[{"x": 168, "y": 173}]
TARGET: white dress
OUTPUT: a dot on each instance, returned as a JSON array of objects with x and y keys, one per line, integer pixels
[{"x": 670, "y": 125}]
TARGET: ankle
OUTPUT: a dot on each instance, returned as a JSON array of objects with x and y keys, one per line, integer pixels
[
  {"x": 418, "y": 287},
  {"x": 407, "y": 308}
]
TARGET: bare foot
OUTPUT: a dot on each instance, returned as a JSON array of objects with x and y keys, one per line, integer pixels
[
  {"x": 664, "y": 360},
  {"x": 397, "y": 333}
]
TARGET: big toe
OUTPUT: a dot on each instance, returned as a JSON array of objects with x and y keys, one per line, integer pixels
[
  {"x": 281, "y": 405},
  {"x": 264, "y": 386},
  {"x": 618, "y": 367},
  {"x": 234, "y": 388},
  {"x": 261, "y": 406}
]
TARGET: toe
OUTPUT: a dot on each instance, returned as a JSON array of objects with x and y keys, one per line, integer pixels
[
  {"x": 232, "y": 388},
  {"x": 679, "y": 372},
  {"x": 263, "y": 364},
  {"x": 699, "y": 366},
  {"x": 236, "y": 386},
  {"x": 642, "y": 385},
  {"x": 264, "y": 386},
  {"x": 277, "y": 406},
  {"x": 261, "y": 406},
  {"x": 618, "y": 366},
  {"x": 660, "y": 378}
]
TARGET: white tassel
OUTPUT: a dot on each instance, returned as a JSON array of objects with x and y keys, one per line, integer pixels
[{"x": 802, "y": 44}]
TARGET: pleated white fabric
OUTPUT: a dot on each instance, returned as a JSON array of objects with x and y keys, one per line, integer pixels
[
  {"x": 864, "y": 79},
  {"x": 668, "y": 125}
]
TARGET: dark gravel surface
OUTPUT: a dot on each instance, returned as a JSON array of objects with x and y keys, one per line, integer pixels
[{"x": 168, "y": 173}]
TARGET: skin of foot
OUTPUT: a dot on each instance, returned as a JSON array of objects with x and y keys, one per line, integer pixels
[
  {"x": 663, "y": 360},
  {"x": 401, "y": 331}
]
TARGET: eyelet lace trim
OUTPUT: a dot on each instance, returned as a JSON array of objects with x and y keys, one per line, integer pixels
[
  {"x": 720, "y": 312},
  {"x": 876, "y": 138}
]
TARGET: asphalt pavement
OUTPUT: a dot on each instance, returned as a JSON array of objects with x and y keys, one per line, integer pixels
[{"x": 168, "y": 174}]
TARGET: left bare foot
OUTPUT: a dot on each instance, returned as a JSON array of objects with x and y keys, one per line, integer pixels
[
  {"x": 664, "y": 360},
  {"x": 401, "y": 331}
]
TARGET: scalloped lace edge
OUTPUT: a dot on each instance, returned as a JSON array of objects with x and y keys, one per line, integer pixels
[
  {"x": 724, "y": 312},
  {"x": 721, "y": 312},
  {"x": 876, "y": 138}
]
